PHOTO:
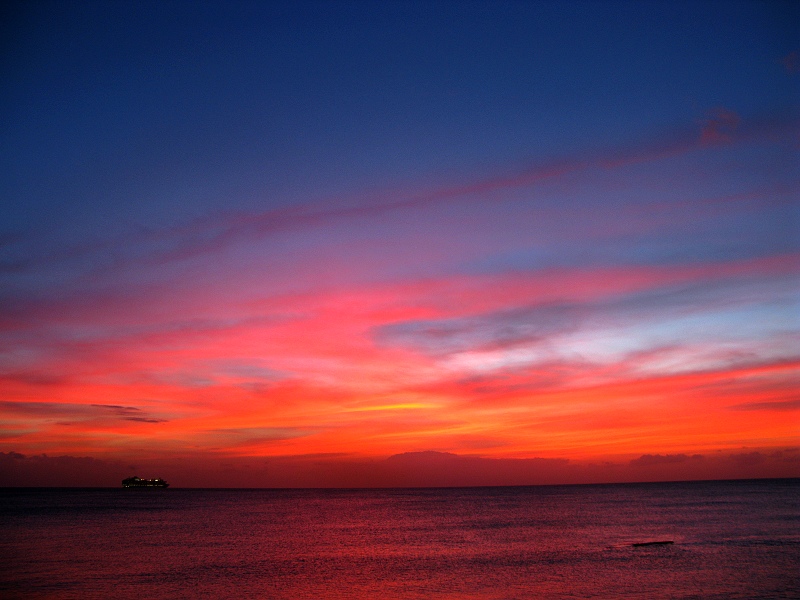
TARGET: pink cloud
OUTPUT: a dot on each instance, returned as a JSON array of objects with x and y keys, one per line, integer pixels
[
  {"x": 719, "y": 127},
  {"x": 791, "y": 62}
]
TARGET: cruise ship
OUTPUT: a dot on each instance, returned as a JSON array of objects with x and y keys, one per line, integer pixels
[{"x": 137, "y": 482}]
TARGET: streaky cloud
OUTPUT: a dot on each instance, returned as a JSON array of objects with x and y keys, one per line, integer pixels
[
  {"x": 209, "y": 234},
  {"x": 215, "y": 233},
  {"x": 498, "y": 329},
  {"x": 79, "y": 412},
  {"x": 779, "y": 405}
]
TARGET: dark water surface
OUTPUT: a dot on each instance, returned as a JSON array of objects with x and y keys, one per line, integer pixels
[{"x": 732, "y": 540}]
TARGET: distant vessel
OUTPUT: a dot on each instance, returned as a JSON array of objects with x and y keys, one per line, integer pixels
[{"x": 137, "y": 482}]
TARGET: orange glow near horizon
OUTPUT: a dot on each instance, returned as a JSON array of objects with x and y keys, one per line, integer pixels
[
  {"x": 329, "y": 376},
  {"x": 513, "y": 317}
]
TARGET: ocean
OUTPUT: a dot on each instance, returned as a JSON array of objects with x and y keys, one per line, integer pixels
[{"x": 731, "y": 539}]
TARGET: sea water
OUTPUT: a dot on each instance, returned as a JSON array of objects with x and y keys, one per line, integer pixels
[{"x": 737, "y": 539}]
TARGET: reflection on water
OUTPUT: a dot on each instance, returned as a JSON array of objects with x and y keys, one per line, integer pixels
[{"x": 731, "y": 540}]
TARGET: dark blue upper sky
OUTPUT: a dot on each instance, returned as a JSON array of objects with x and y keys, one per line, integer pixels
[{"x": 115, "y": 114}]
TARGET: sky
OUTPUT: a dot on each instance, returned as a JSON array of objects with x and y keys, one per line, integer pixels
[{"x": 255, "y": 244}]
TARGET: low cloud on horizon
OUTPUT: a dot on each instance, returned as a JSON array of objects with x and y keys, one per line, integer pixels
[{"x": 410, "y": 469}]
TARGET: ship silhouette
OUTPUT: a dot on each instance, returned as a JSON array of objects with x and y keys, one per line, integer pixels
[{"x": 138, "y": 482}]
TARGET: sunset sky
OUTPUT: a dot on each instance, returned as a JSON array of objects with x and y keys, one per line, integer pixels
[{"x": 403, "y": 243}]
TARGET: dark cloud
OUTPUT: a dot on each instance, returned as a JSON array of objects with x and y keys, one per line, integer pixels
[
  {"x": 35, "y": 378},
  {"x": 410, "y": 469},
  {"x": 246, "y": 436},
  {"x": 430, "y": 468},
  {"x": 18, "y": 470},
  {"x": 710, "y": 286},
  {"x": 117, "y": 409},
  {"x": 473, "y": 442},
  {"x": 78, "y": 412},
  {"x": 721, "y": 284},
  {"x": 40, "y": 409},
  {"x": 500, "y": 329},
  {"x": 779, "y": 405},
  {"x": 649, "y": 460},
  {"x": 114, "y": 336},
  {"x": 128, "y": 413},
  {"x": 748, "y": 459}
]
